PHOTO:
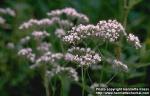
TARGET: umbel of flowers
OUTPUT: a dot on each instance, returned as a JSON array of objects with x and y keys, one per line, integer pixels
[{"x": 71, "y": 29}]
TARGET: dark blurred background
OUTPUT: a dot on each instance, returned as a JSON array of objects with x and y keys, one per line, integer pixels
[{"x": 17, "y": 80}]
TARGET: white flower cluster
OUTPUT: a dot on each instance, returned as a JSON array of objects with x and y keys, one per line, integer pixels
[
  {"x": 110, "y": 30},
  {"x": 44, "y": 47},
  {"x": 65, "y": 24},
  {"x": 80, "y": 32},
  {"x": 60, "y": 32},
  {"x": 107, "y": 30},
  {"x": 40, "y": 34},
  {"x": 134, "y": 40},
  {"x": 49, "y": 57},
  {"x": 119, "y": 65},
  {"x": 27, "y": 52},
  {"x": 10, "y": 45},
  {"x": 69, "y": 71},
  {"x": 2, "y": 20},
  {"x": 44, "y": 22},
  {"x": 7, "y": 11},
  {"x": 85, "y": 57},
  {"x": 34, "y": 22},
  {"x": 70, "y": 13},
  {"x": 25, "y": 40}
]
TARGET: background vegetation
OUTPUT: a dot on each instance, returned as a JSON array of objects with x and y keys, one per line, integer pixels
[{"x": 16, "y": 79}]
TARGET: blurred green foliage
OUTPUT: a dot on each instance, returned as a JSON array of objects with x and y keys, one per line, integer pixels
[{"x": 17, "y": 80}]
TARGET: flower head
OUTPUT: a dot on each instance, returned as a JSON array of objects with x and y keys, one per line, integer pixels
[
  {"x": 83, "y": 56},
  {"x": 7, "y": 11},
  {"x": 119, "y": 65},
  {"x": 70, "y": 13},
  {"x": 109, "y": 30},
  {"x": 27, "y": 52},
  {"x": 134, "y": 40},
  {"x": 39, "y": 34}
]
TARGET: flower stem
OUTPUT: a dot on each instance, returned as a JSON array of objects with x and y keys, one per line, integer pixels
[
  {"x": 82, "y": 81},
  {"x": 126, "y": 11},
  {"x": 46, "y": 83},
  {"x": 46, "y": 86},
  {"x": 124, "y": 21}
]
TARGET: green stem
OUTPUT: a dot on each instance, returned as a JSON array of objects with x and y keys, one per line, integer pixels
[
  {"x": 53, "y": 88},
  {"x": 82, "y": 81},
  {"x": 65, "y": 86},
  {"x": 124, "y": 21},
  {"x": 46, "y": 86},
  {"x": 46, "y": 83},
  {"x": 126, "y": 11},
  {"x": 111, "y": 78},
  {"x": 102, "y": 72}
]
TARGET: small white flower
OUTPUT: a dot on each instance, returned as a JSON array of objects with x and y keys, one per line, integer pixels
[
  {"x": 60, "y": 32},
  {"x": 7, "y": 11},
  {"x": 39, "y": 34},
  {"x": 10, "y": 45},
  {"x": 44, "y": 46},
  {"x": 134, "y": 40},
  {"x": 109, "y": 30},
  {"x": 25, "y": 40},
  {"x": 69, "y": 57},
  {"x": 71, "y": 14},
  {"x": 119, "y": 64},
  {"x": 2, "y": 20},
  {"x": 27, "y": 52},
  {"x": 86, "y": 58}
]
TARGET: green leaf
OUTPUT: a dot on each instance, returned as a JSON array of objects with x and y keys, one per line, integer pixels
[
  {"x": 136, "y": 75},
  {"x": 142, "y": 65},
  {"x": 132, "y": 3}
]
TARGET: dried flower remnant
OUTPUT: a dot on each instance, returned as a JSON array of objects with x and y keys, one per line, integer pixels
[
  {"x": 86, "y": 57},
  {"x": 134, "y": 40},
  {"x": 119, "y": 65},
  {"x": 70, "y": 13},
  {"x": 27, "y": 52}
]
